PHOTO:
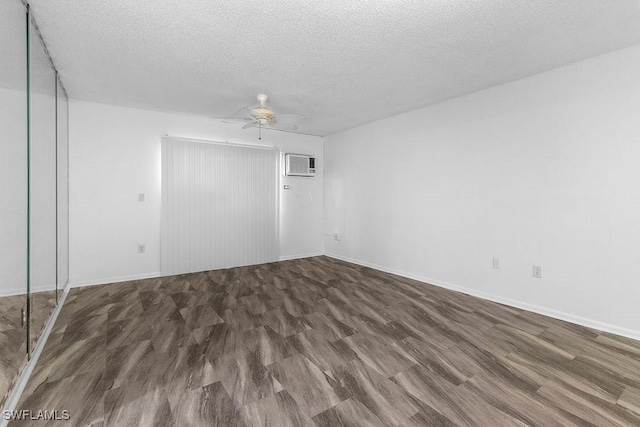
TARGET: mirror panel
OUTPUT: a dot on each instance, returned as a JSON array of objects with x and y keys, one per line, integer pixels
[
  {"x": 13, "y": 191},
  {"x": 62, "y": 180},
  {"x": 42, "y": 186}
]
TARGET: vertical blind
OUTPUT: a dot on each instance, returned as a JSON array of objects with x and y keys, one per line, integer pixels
[{"x": 219, "y": 205}]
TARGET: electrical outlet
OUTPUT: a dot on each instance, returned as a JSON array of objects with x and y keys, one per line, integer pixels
[
  {"x": 537, "y": 271},
  {"x": 141, "y": 197},
  {"x": 496, "y": 263},
  {"x": 141, "y": 249}
]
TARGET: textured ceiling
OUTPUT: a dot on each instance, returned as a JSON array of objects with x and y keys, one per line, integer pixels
[{"x": 339, "y": 63}]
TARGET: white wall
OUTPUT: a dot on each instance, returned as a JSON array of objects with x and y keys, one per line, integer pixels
[
  {"x": 115, "y": 154},
  {"x": 544, "y": 170}
]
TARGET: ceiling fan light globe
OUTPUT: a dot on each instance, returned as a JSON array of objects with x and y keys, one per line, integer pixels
[{"x": 261, "y": 110}]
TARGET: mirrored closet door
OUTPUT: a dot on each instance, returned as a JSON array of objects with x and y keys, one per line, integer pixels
[
  {"x": 34, "y": 243},
  {"x": 42, "y": 185},
  {"x": 13, "y": 192},
  {"x": 62, "y": 188}
]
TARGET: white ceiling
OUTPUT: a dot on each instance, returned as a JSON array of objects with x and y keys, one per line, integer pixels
[{"x": 341, "y": 63}]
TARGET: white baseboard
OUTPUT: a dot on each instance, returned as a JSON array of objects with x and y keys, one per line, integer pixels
[
  {"x": 119, "y": 279},
  {"x": 12, "y": 292},
  {"x": 568, "y": 317},
  {"x": 18, "y": 388},
  {"x": 300, "y": 256},
  {"x": 116, "y": 279},
  {"x": 23, "y": 291},
  {"x": 44, "y": 289}
]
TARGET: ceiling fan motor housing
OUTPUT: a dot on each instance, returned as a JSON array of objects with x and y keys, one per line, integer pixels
[{"x": 262, "y": 114}]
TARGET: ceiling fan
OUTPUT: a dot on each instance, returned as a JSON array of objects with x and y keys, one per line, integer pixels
[{"x": 262, "y": 115}]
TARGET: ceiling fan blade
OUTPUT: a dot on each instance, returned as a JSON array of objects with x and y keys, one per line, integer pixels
[
  {"x": 283, "y": 126},
  {"x": 289, "y": 119},
  {"x": 249, "y": 125},
  {"x": 241, "y": 113},
  {"x": 290, "y": 116},
  {"x": 232, "y": 120}
]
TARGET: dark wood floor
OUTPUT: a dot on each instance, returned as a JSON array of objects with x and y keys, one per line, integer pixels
[
  {"x": 327, "y": 343},
  {"x": 13, "y": 335}
]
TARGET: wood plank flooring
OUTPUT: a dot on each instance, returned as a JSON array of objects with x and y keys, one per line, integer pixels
[
  {"x": 320, "y": 342},
  {"x": 13, "y": 336}
]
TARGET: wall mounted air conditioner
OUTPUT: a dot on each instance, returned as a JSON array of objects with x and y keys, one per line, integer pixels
[{"x": 299, "y": 165}]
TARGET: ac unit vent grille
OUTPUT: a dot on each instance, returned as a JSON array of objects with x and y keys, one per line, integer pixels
[{"x": 299, "y": 165}]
